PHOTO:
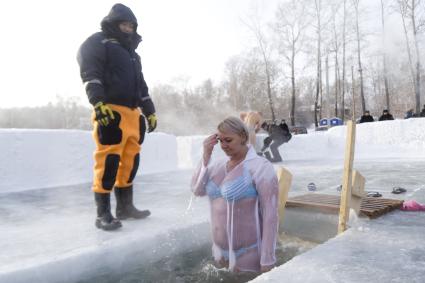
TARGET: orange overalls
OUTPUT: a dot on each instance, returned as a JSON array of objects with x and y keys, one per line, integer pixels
[{"x": 116, "y": 158}]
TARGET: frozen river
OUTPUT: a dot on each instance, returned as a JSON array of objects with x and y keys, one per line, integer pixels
[{"x": 48, "y": 235}]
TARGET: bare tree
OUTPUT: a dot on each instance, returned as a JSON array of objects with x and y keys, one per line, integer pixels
[
  {"x": 290, "y": 25},
  {"x": 246, "y": 82},
  {"x": 232, "y": 69},
  {"x": 327, "y": 75},
  {"x": 408, "y": 10},
  {"x": 353, "y": 94},
  {"x": 384, "y": 58},
  {"x": 359, "y": 58},
  {"x": 318, "y": 12},
  {"x": 335, "y": 47},
  {"x": 414, "y": 7},
  {"x": 344, "y": 42},
  {"x": 265, "y": 50},
  {"x": 323, "y": 19}
]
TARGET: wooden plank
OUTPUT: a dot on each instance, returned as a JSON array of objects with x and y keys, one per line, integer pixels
[
  {"x": 322, "y": 198},
  {"x": 285, "y": 180},
  {"x": 376, "y": 206},
  {"x": 314, "y": 206},
  {"x": 344, "y": 207},
  {"x": 383, "y": 201},
  {"x": 318, "y": 201}
]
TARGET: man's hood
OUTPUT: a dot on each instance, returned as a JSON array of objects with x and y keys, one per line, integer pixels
[{"x": 120, "y": 13}]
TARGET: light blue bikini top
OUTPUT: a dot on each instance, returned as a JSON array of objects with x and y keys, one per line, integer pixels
[{"x": 241, "y": 187}]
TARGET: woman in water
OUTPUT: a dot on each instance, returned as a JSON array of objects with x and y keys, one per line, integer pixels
[{"x": 243, "y": 193}]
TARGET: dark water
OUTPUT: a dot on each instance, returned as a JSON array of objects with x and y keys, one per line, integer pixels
[{"x": 197, "y": 266}]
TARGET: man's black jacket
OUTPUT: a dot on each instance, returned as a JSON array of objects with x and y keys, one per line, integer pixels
[
  {"x": 366, "y": 118},
  {"x": 111, "y": 68}
]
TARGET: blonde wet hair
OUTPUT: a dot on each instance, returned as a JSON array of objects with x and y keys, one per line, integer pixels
[{"x": 235, "y": 126}]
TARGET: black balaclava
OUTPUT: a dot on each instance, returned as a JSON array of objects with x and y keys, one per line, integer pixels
[{"x": 110, "y": 26}]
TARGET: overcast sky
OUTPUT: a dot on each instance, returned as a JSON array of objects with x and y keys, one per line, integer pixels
[{"x": 189, "y": 38}]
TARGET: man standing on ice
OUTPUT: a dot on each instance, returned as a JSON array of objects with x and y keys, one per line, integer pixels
[
  {"x": 278, "y": 135},
  {"x": 112, "y": 73}
]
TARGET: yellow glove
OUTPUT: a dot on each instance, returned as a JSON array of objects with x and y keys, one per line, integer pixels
[
  {"x": 152, "y": 121},
  {"x": 103, "y": 113}
]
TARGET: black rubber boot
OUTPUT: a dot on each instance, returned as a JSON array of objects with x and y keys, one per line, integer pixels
[
  {"x": 105, "y": 220},
  {"x": 125, "y": 207}
]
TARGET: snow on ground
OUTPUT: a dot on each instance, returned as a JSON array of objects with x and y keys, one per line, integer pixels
[{"x": 47, "y": 232}]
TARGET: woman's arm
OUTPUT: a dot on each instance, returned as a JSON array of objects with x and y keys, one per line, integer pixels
[
  {"x": 200, "y": 177},
  {"x": 199, "y": 180},
  {"x": 268, "y": 190}
]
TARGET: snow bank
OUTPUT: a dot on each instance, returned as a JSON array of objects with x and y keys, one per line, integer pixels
[
  {"x": 389, "y": 139},
  {"x": 34, "y": 158},
  {"x": 50, "y": 158},
  {"x": 47, "y": 158}
]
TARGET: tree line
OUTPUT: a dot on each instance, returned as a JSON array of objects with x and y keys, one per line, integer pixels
[
  {"x": 314, "y": 59},
  {"x": 64, "y": 113}
]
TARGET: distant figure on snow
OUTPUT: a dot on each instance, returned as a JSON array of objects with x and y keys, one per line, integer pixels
[
  {"x": 366, "y": 117},
  {"x": 386, "y": 116},
  {"x": 422, "y": 114},
  {"x": 243, "y": 194},
  {"x": 278, "y": 135},
  {"x": 410, "y": 114}
]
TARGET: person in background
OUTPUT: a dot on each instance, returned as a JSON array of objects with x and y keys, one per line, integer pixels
[
  {"x": 243, "y": 194},
  {"x": 410, "y": 114},
  {"x": 111, "y": 70},
  {"x": 386, "y": 116},
  {"x": 422, "y": 114},
  {"x": 366, "y": 117},
  {"x": 278, "y": 135}
]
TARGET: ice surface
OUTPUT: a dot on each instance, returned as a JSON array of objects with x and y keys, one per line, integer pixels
[
  {"x": 49, "y": 235},
  {"x": 387, "y": 249}
]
